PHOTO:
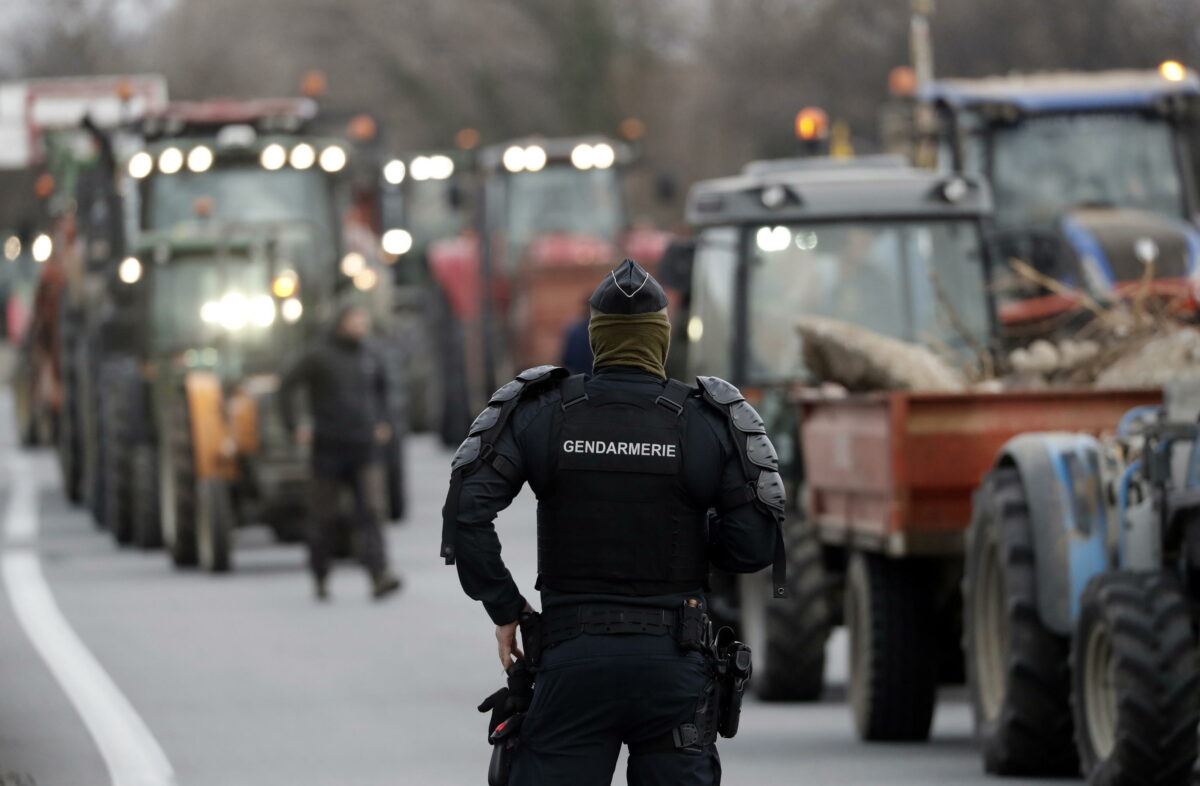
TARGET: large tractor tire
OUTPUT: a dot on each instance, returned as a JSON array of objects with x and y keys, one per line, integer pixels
[
  {"x": 1135, "y": 687},
  {"x": 68, "y": 445},
  {"x": 1016, "y": 668},
  {"x": 147, "y": 516},
  {"x": 790, "y": 656},
  {"x": 91, "y": 437},
  {"x": 116, "y": 449},
  {"x": 177, "y": 483},
  {"x": 215, "y": 522},
  {"x": 891, "y": 616}
]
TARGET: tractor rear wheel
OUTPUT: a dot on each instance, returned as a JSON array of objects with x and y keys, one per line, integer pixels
[
  {"x": 215, "y": 516},
  {"x": 147, "y": 522},
  {"x": 1135, "y": 687},
  {"x": 891, "y": 616},
  {"x": 116, "y": 452},
  {"x": 1016, "y": 668},
  {"x": 68, "y": 444},
  {"x": 177, "y": 482},
  {"x": 791, "y": 666}
]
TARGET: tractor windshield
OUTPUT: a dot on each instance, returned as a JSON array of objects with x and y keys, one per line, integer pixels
[
  {"x": 246, "y": 194},
  {"x": 1045, "y": 166},
  {"x": 197, "y": 298},
  {"x": 563, "y": 199},
  {"x": 911, "y": 280}
]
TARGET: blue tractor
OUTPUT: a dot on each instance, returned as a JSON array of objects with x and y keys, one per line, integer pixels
[
  {"x": 1095, "y": 179},
  {"x": 1082, "y": 599}
]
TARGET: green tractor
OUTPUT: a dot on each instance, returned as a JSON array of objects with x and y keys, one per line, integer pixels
[{"x": 241, "y": 259}]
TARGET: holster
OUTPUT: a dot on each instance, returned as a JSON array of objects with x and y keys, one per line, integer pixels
[
  {"x": 734, "y": 667},
  {"x": 504, "y": 743}
]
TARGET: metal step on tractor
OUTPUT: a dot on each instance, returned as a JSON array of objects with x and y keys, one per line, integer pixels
[{"x": 1080, "y": 600}]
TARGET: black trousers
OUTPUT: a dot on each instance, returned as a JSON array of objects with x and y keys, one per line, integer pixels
[
  {"x": 595, "y": 693},
  {"x": 365, "y": 476}
]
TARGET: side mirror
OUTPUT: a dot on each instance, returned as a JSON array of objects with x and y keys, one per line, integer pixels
[
  {"x": 675, "y": 267},
  {"x": 455, "y": 196}
]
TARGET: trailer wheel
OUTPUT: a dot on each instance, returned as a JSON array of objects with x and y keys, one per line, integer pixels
[
  {"x": 116, "y": 456},
  {"x": 1016, "y": 669},
  {"x": 214, "y": 524},
  {"x": 147, "y": 523},
  {"x": 177, "y": 483},
  {"x": 890, "y": 613},
  {"x": 1135, "y": 688},
  {"x": 796, "y": 628}
]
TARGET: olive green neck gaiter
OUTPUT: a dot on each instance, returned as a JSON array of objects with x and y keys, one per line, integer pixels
[{"x": 637, "y": 340}]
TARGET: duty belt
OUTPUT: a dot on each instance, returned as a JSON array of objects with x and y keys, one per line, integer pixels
[{"x": 688, "y": 624}]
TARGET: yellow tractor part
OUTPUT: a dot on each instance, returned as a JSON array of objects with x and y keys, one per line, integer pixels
[
  {"x": 243, "y": 421},
  {"x": 212, "y": 438}
]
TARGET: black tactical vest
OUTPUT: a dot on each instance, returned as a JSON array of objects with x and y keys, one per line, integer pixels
[{"x": 616, "y": 518}]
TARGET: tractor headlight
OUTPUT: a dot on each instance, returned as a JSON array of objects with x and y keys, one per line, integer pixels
[
  {"x": 291, "y": 310},
  {"x": 583, "y": 156},
  {"x": 333, "y": 159},
  {"x": 141, "y": 165},
  {"x": 394, "y": 171},
  {"x": 353, "y": 264},
  {"x": 42, "y": 248},
  {"x": 441, "y": 167},
  {"x": 535, "y": 158},
  {"x": 396, "y": 242},
  {"x": 262, "y": 310},
  {"x": 273, "y": 157},
  {"x": 235, "y": 311},
  {"x": 285, "y": 284},
  {"x": 130, "y": 270},
  {"x": 199, "y": 159},
  {"x": 366, "y": 280},
  {"x": 303, "y": 156},
  {"x": 513, "y": 159},
  {"x": 603, "y": 155},
  {"x": 170, "y": 161}
]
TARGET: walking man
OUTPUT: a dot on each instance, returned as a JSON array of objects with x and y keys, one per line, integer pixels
[{"x": 346, "y": 383}]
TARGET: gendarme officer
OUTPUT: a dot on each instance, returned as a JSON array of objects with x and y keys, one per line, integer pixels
[{"x": 643, "y": 483}]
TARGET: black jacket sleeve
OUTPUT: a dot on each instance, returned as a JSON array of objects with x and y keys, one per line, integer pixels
[
  {"x": 481, "y": 570},
  {"x": 742, "y": 533}
]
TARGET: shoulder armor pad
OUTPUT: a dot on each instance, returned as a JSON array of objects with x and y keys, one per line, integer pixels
[
  {"x": 762, "y": 453},
  {"x": 530, "y": 376},
  {"x": 770, "y": 491},
  {"x": 485, "y": 420},
  {"x": 745, "y": 418},
  {"x": 720, "y": 391},
  {"x": 536, "y": 374},
  {"x": 467, "y": 452}
]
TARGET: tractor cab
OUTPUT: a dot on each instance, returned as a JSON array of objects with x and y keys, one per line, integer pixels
[
  {"x": 1094, "y": 178},
  {"x": 550, "y": 218},
  {"x": 420, "y": 200}
]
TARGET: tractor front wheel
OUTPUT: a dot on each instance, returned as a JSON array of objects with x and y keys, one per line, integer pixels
[
  {"x": 214, "y": 524},
  {"x": 1135, "y": 686},
  {"x": 1016, "y": 668}
]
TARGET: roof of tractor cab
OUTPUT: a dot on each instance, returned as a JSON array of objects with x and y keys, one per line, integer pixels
[
  {"x": 1064, "y": 91},
  {"x": 820, "y": 190}
]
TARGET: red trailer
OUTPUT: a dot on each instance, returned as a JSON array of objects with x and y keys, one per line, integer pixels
[{"x": 889, "y": 479}]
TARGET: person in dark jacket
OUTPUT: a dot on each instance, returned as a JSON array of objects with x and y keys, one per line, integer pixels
[
  {"x": 642, "y": 486},
  {"x": 345, "y": 380}
]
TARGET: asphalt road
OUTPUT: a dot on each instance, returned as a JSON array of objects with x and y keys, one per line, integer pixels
[{"x": 243, "y": 680}]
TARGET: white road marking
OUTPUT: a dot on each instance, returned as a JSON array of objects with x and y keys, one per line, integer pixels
[{"x": 133, "y": 756}]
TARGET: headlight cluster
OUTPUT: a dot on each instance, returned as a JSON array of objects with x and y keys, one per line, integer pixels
[
  {"x": 12, "y": 247},
  {"x": 171, "y": 160},
  {"x": 773, "y": 238},
  {"x": 599, "y": 156},
  {"x": 524, "y": 159},
  {"x": 331, "y": 158},
  {"x": 431, "y": 167},
  {"x": 234, "y": 311}
]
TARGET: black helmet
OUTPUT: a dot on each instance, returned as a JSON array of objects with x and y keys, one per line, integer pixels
[{"x": 628, "y": 290}]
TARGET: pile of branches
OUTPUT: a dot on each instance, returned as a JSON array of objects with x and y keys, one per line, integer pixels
[{"x": 1139, "y": 341}]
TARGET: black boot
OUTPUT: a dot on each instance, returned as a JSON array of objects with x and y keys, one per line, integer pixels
[{"x": 321, "y": 587}]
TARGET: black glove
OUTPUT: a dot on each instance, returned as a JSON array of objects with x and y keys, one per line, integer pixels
[{"x": 510, "y": 700}]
